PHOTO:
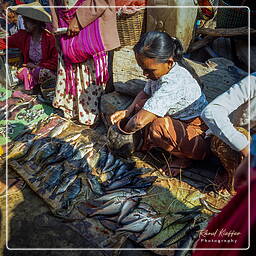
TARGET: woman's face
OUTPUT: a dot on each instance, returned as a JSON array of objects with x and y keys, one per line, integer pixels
[
  {"x": 29, "y": 24},
  {"x": 151, "y": 68}
]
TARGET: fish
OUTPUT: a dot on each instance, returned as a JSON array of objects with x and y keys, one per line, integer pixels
[
  {"x": 110, "y": 196},
  {"x": 52, "y": 180},
  {"x": 187, "y": 241},
  {"x": 143, "y": 182},
  {"x": 94, "y": 184},
  {"x": 66, "y": 151},
  {"x": 57, "y": 130},
  {"x": 72, "y": 137},
  {"x": 46, "y": 151},
  {"x": 65, "y": 183},
  {"x": 34, "y": 149},
  {"x": 114, "y": 166},
  {"x": 109, "y": 162},
  {"x": 131, "y": 173},
  {"x": 41, "y": 174},
  {"x": 136, "y": 214},
  {"x": 108, "y": 224},
  {"x": 110, "y": 208},
  {"x": 102, "y": 159},
  {"x": 72, "y": 192},
  {"x": 127, "y": 207},
  {"x": 119, "y": 184},
  {"x": 208, "y": 206},
  {"x": 136, "y": 226},
  {"x": 151, "y": 230},
  {"x": 124, "y": 169},
  {"x": 147, "y": 208}
]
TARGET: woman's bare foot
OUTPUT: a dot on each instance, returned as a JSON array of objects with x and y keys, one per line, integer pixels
[{"x": 175, "y": 166}]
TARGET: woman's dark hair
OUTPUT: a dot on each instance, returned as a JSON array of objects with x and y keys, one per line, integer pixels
[{"x": 161, "y": 46}]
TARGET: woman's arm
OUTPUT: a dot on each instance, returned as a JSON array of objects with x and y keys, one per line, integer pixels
[
  {"x": 216, "y": 114},
  {"x": 140, "y": 120},
  {"x": 136, "y": 105}
]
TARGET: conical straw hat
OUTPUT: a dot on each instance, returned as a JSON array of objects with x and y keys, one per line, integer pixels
[{"x": 33, "y": 11}]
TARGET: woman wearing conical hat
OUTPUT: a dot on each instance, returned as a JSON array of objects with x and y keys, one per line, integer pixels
[{"x": 37, "y": 46}]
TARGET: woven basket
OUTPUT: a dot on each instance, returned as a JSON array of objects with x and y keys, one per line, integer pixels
[
  {"x": 234, "y": 17},
  {"x": 130, "y": 27}
]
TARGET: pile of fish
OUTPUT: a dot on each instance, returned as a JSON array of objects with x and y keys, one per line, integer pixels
[
  {"x": 120, "y": 209},
  {"x": 111, "y": 191}
]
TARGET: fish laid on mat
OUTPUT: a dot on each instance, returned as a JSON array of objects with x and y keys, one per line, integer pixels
[
  {"x": 109, "y": 162},
  {"x": 52, "y": 180},
  {"x": 46, "y": 151},
  {"x": 71, "y": 193},
  {"x": 110, "y": 208},
  {"x": 127, "y": 207},
  {"x": 102, "y": 159},
  {"x": 94, "y": 184},
  {"x": 65, "y": 183},
  {"x": 152, "y": 229},
  {"x": 35, "y": 148},
  {"x": 136, "y": 226},
  {"x": 57, "y": 130},
  {"x": 127, "y": 194}
]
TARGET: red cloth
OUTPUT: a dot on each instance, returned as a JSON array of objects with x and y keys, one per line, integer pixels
[
  {"x": 21, "y": 40},
  {"x": 233, "y": 217}
]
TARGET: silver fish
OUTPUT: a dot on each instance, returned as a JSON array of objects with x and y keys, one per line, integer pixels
[
  {"x": 111, "y": 208},
  {"x": 136, "y": 226},
  {"x": 110, "y": 196},
  {"x": 52, "y": 180},
  {"x": 152, "y": 229},
  {"x": 136, "y": 214},
  {"x": 131, "y": 173},
  {"x": 113, "y": 167},
  {"x": 94, "y": 184},
  {"x": 46, "y": 151},
  {"x": 103, "y": 158},
  {"x": 119, "y": 184},
  {"x": 147, "y": 208},
  {"x": 72, "y": 192},
  {"x": 72, "y": 137},
  {"x": 66, "y": 182},
  {"x": 124, "y": 168},
  {"x": 127, "y": 207},
  {"x": 34, "y": 149},
  {"x": 58, "y": 129},
  {"x": 110, "y": 161}
]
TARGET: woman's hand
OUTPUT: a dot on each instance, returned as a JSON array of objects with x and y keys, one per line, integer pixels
[
  {"x": 74, "y": 27},
  {"x": 29, "y": 65},
  {"x": 118, "y": 115}
]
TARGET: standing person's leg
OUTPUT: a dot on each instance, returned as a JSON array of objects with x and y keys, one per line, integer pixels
[{"x": 183, "y": 139}]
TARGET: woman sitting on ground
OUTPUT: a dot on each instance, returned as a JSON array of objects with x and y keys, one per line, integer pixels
[
  {"x": 38, "y": 49},
  {"x": 168, "y": 110}
]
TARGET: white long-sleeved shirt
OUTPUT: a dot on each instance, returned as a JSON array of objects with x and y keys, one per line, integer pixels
[{"x": 231, "y": 109}]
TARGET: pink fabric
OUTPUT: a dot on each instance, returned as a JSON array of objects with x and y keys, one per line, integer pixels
[
  {"x": 29, "y": 77},
  {"x": 77, "y": 49}
]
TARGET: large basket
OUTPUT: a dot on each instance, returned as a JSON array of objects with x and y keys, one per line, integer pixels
[
  {"x": 130, "y": 27},
  {"x": 234, "y": 17}
]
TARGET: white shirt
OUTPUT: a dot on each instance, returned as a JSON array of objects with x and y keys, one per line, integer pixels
[
  {"x": 176, "y": 94},
  {"x": 231, "y": 109}
]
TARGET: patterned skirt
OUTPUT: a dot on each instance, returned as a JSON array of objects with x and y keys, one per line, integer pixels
[{"x": 84, "y": 107}]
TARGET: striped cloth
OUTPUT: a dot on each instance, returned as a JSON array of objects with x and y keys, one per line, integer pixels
[{"x": 77, "y": 49}]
